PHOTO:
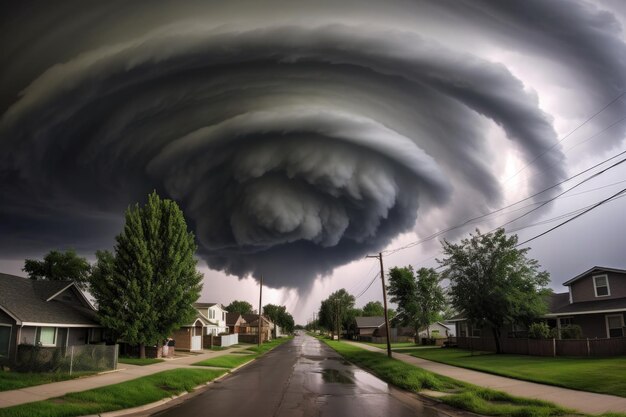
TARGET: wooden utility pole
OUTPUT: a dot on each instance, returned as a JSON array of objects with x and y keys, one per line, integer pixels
[
  {"x": 260, "y": 326},
  {"x": 382, "y": 277}
]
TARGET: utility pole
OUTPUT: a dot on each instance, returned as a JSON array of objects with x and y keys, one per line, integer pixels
[
  {"x": 260, "y": 326},
  {"x": 382, "y": 277}
]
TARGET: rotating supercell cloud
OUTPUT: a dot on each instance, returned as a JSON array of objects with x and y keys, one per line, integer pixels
[{"x": 293, "y": 148}]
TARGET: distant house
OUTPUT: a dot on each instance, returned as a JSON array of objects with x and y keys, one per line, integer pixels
[
  {"x": 235, "y": 323},
  {"x": 45, "y": 313},
  {"x": 369, "y": 326},
  {"x": 595, "y": 301},
  {"x": 252, "y": 326},
  {"x": 436, "y": 330}
]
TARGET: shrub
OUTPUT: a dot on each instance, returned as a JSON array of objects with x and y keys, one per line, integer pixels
[
  {"x": 573, "y": 331},
  {"x": 539, "y": 331}
]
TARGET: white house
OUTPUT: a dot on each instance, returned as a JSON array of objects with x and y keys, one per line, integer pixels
[
  {"x": 437, "y": 330},
  {"x": 215, "y": 315}
]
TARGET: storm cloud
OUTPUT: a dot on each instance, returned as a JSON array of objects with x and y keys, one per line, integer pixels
[{"x": 292, "y": 148}]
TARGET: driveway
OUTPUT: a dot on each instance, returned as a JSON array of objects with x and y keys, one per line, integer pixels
[{"x": 303, "y": 377}]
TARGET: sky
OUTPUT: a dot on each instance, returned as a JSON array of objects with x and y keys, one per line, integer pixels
[{"x": 300, "y": 137}]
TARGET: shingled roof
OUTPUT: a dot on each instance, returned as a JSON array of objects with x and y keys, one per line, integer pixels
[
  {"x": 35, "y": 302},
  {"x": 372, "y": 322}
]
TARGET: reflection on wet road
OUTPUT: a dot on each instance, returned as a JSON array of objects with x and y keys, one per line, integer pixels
[{"x": 303, "y": 377}]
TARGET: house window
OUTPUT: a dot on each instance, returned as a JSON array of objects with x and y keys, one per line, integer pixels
[
  {"x": 475, "y": 332},
  {"x": 5, "y": 340},
  {"x": 601, "y": 285},
  {"x": 565, "y": 321},
  {"x": 47, "y": 336},
  {"x": 211, "y": 314},
  {"x": 615, "y": 325}
]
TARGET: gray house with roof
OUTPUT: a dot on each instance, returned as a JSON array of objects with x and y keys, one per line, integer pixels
[{"x": 46, "y": 313}]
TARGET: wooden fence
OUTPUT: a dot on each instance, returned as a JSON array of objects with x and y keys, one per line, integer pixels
[{"x": 546, "y": 347}]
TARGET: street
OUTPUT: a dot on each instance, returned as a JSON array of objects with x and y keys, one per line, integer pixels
[{"x": 300, "y": 378}]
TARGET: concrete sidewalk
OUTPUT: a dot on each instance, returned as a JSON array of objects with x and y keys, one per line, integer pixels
[
  {"x": 586, "y": 402},
  {"x": 125, "y": 372}
]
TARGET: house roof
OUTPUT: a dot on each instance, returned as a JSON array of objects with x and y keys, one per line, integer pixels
[
  {"x": 232, "y": 318},
  {"x": 594, "y": 306},
  {"x": 254, "y": 318},
  {"x": 374, "y": 321},
  {"x": 207, "y": 305},
  {"x": 592, "y": 270},
  {"x": 557, "y": 301},
  {"x": 30, "y": 301}
]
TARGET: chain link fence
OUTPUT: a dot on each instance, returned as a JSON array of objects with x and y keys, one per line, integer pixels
[{"x": 69, "y": 359}]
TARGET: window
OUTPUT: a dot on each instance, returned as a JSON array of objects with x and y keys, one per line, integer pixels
[
  {"x": 615, "y": 325},
  {"x": 565, "y": 321},
  {"x": 5, "y": 340},
  {"x": 601, "y": 285},
  {"x": 211, "y": 314},
  {"x": 47, "y": 336},
  {"x": 475, "y": 332}
]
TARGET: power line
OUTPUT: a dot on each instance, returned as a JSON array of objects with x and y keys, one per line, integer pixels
[{"x": 575, "y": 217}]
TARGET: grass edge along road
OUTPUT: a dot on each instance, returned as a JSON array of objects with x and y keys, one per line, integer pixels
[
  {"x": 601, "y": 375},
  {"x": 237, "y": 359},
  {"x": 133, "y": 393},
  {"x": 460, "y": 394},
  {"x": 10, "y": 380},
  {"x": 128, "y": 394}
]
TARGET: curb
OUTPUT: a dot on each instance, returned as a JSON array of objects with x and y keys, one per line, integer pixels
[{"x": 127, "y": 411}]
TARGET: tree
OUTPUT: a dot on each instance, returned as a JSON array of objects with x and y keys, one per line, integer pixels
[
  {"x": 147, "y": 288},
  {"x": 241, "y": 307},
  {"x": 280, "y": 317},
  {"x": 493, "y": 283},
  {"x": 373, "y": 308},
  {"x": 59, "y": 266},
  {"x": 419, "y": 297},
  {"x": 334, "y": 309}
]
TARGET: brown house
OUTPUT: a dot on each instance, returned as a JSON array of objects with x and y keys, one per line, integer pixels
[
  {"x": 190, "y": 337},
  {"x": 252, "y": 326},
  {"x": 235, "y": 323},
  {"x": 45, "y": 313},
  {"x": 596, "y": 301}
]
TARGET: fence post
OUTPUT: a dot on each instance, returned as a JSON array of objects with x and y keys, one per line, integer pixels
[
  {"x": 71, "y": 358},
  {"x": 116, "y": 355},
  {"x": 554, "y": 347},
  {"x": 588, "y": 348}
]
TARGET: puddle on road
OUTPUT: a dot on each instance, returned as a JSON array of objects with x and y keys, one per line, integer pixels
[{"x": 335, "y": 376}]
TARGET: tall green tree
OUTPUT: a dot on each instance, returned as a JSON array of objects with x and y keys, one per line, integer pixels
[
  {"x": 280, "y": 317},
  {"x": 494, "y": 283},
  {"x": 241, "y": 307},
  {"x": 334, "y": 310},
  {"x": 373, "y": 308},
  {"x": 146, "y": 289},
  {"x": 59, "y": 266},
  {"x": 419, "y": 297}
]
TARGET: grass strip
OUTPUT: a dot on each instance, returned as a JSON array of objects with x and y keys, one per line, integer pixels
[
  {"x": 10, "y": 380},
  {"x": 461, "y": 395},
  {"x": 601, "y": 375},
  {"x": 127, "y": 394},
  {"x": 267, "y": 346},
  {"x": 226, "y": 361},
  {"x": 140, "y": 362}
]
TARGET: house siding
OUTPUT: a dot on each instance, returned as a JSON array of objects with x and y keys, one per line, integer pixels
[
  {"x": 182, "y": 338},
  {"x": 583, "y": 290},
  {"x": 9, "y": 323}
]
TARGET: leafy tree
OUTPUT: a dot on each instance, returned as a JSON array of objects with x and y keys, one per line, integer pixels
[
  {"x": 419, "y": 297},
  {"x": 493, "y": 282},
  {"x": 146, "y": 289},
  {"x": 349, "y": 321},
  {"x": 59, "y": 266},
  {"x": 334, "y": 310},
  {"x": 241, "y": 307},
  {"x": 280, "y": 317},
  {"x": 373, "y": 308}
]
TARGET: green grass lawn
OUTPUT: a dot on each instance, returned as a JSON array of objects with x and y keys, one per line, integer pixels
[
  {"x": 603, "y": 375},
  {"x": 267, "y": 346},
  {"x": 15, "y": 380},
  {"x": 127, "y": 394},
  {"x": 393, "y": 345},
  {"x": 140, "y": 362},
  {"x": 226, "y": 361},
  {"x": 461, "y": 395}
]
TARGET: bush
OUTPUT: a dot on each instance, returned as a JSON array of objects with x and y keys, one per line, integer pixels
[
  {"x": 426, "y": 341},
  {"x": 572, "y": 331},
  {"x": 539, "y": 331}
]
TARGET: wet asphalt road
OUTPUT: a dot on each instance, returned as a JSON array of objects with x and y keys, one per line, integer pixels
[{"x": 300, "y": 378}]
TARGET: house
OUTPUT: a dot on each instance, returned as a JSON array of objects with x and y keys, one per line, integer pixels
[
  {"x": 235, "y": 323},
  {"x": 45, "y": 313},
  {"x": 252, "y": 326},
  {"x": 595, "y": 301},
  {"x": 367, "y": 326},
  {"x": 436, "y": 330},
  {"x": 216, "y": 316}
]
